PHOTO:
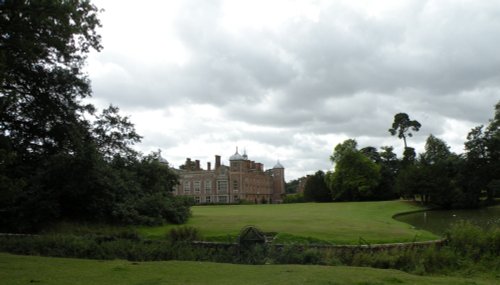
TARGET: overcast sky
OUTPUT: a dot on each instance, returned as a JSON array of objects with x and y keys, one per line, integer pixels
[{"x": 289, "y": 80}]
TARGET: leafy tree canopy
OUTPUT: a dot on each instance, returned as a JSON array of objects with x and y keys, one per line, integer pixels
[
  {"x": 342, "y": 149},
  {"x": 43, "y": 45},
  {"x": 54, "y": 163},
  {"x": 316, "y": 189},
  {"x": 435, "y": 150},
  {"x": 355, "y": 176},
  {"x": 402, "y": 127}
]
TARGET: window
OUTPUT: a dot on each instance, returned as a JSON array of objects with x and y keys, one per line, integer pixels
[
  {"x": 197, "y": 186},
  {"x": 208, "y": 186},
  {"x": 222, "y": 186},
  {"x": 174, "y": 189},
  {"x": 197, "y": 199},
  {"x": 208, "y": 199},
  {"x": 236, "y": 199},
  {"x": 222, "y": 199},
  {"x": 235, "y": 185},
  {"x": 187, "y": 186}
]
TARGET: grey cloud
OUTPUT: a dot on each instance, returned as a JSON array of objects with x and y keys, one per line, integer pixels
[{"x": 346, "y": 73}]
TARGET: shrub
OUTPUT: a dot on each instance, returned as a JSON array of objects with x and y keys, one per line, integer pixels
[
  {"x": 294, "y": 198},
  {"x": 178, "y": 209},
  {"x": 184, "y": 234}
]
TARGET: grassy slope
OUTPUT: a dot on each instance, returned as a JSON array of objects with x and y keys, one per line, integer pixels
[
  {"x": 15, "y": 269},
  {"x": 342, "y": 223}
]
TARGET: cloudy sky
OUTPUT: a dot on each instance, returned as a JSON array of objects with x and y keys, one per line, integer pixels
[{"x": 289, "y": 80}]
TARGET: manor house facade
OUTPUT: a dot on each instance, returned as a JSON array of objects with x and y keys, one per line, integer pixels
[{"x": 242, "y": 180}]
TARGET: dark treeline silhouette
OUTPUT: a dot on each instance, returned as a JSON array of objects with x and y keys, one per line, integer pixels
[
  {"x": 435, "y": 177},
  {"x": 60, "y": 159}
]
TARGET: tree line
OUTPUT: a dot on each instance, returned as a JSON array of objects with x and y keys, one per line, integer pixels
[
  {"x": 435, "y": 177},
  {"x": 61, "y": 158}
]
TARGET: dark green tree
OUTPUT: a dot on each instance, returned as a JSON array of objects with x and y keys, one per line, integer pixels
[
  {"x": 433, "y": 176},
  {"x": 54, "y": 163},
  {"x": 435, "y": 150},
  {"x": 316, "y": 189},
  {"x": 439, "y": 169},
  {"x": 355, "y": 177},
  {"x": 292, "y": 186},
  {"x": 482, "y": 167},
  {"x": 389, "y": 168},
  {"x": 43, "y": 46},
  {"x": 342, "y": 149},
  {"x": 114, "y": 134},
  {"x": 402, "y": 127},
  {"x": 372, "y": 153}
]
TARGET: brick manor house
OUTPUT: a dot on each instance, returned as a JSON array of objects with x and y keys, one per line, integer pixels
[{"x": 242, "y": 180}]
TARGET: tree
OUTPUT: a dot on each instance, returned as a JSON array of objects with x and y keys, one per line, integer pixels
[
  {"x": 54, "y": 163},
  {"x": 435, "y": 150},
  {"x": 114, "y": 134},
  {"x": 316, "y": 189},
  {"x": 389, "y": 158},
  {"x": 440, "y": 168},
  {"x": 342, "y": 149},
  {"x": 292, "y": 186},
  {"x": 402, "y": 126},
  {"x": 355, "y": 177},
  {"x": 43, "y": 46},
  {"x": 389, "y": 168},
  {"x": 433, "y": 176},
  {"x": 372, "y": 153},
  {"x": 482, "y": 167}
]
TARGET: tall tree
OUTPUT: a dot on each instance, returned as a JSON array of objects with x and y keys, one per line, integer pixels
[
  {"x": 402, "y": 127},
  {"x": 389, "y": 168},
  {"x": 114, "y": 134},
  {"x": 435, "y": 150},
  {"x": 54, "y": 163},
  {"x": 355, "y": 177},
  {"x": 43, "y": 45},
  {"x": 316, "y": 189},
  {"x": 372, "y": 153},
  {"x": 342, "y": 149},
  {"x": 439, "y": 167},
  {"x": 482, "y": 151}
]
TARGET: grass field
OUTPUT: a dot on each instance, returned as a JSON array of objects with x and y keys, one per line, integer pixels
[
  {"x": 340, "y": 223},
  {"x": 16, "y": 269}
]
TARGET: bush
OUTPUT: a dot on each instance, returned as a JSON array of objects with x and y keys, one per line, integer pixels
[
  {"x": 178, "y": 209},
  {"x": 294, "y": 198},
  {"x": 153, "y": 210},
  {"x": 183, "y": 234},
  {"x": 296, "y": 254},
  {"x": 469, "y": 249},
  {"x": 472, "y": 241}
]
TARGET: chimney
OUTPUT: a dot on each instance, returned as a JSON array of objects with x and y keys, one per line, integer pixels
[
  {"x": 197, "y": 164},
  {"x": 217, "y": 161},
  {"x": 188, "y": 164},
  {"x": 259, "y": 166},
  {"x": 209, "y": 167}
]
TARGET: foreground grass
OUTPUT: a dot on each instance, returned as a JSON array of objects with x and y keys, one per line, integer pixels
[
  {"x": 16, "y": 269},
  {"x": 340, "y": 223}
]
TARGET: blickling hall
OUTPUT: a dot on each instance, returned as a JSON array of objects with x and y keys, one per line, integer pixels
[{"x": 242, "y": 180}]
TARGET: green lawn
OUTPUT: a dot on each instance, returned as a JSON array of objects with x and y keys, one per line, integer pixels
[
  {"x": 340, "y": 223},
  {"x": 16, "y": 269}
]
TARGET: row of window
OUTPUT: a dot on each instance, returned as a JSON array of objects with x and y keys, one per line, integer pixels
[
  {"x": 221, "y": 186},
  {"x": 214, "y": 199}
]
